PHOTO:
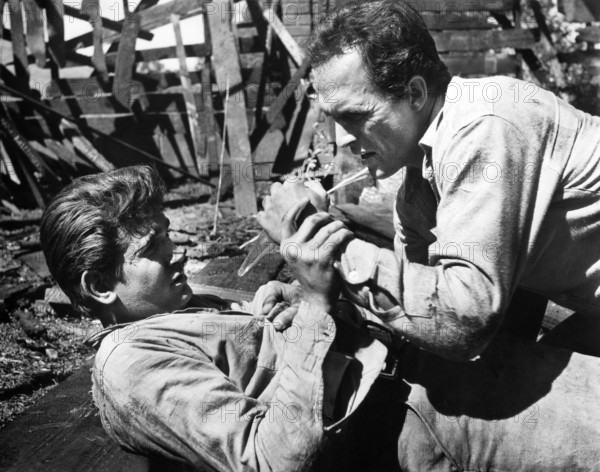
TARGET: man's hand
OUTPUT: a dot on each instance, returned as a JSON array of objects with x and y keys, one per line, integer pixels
[
  {"x": 278, "y": 303},
  {"x": 310, "y": 253},
  {"x": 282, "y": 198}
]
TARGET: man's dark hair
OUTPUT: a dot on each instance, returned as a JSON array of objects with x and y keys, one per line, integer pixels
[
  {"x": 392, "y": 39},
  {"x": 88, "y": 226}
]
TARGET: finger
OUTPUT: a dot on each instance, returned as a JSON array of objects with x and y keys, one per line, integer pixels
[
  {"x": 284, "y": 320},
  {"x": 276, "y": 309},
  {"x": 267, "y": 202},
  {"x": 288, "y": 222},
  {"x": 311, "y": 225},
  {"x": 326, "y": 231},
  {"x": 334, "y": 245}
]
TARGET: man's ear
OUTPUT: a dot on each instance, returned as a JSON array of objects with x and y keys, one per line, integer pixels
[
  {"x": 94, "y": 287},
  {"x": 417, "y": 88}
]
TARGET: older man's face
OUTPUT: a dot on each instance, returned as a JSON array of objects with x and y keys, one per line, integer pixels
[{"x": 384, "y": 132}]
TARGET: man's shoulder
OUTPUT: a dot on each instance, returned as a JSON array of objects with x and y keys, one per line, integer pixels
[
  {"x": 515, "y": 101},
  {"x": 191, "y": 328}
]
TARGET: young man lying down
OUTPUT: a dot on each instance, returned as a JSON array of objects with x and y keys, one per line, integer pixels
[{"x": 220, "y": 389}]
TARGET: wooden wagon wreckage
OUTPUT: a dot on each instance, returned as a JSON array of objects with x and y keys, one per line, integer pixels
[{"x": 65, "y": 113}]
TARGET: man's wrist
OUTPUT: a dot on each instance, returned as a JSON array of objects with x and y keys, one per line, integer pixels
[{"x": 320, "y": 301}]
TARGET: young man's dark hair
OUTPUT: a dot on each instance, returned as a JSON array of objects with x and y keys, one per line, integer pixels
[
  {"x": 88, "y": 226},
  {"x": 393, "y": 41}
]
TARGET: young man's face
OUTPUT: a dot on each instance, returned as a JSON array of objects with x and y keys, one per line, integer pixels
[
  {"x": 154, "y": 281},
  {"x": 384, "y": 132}
]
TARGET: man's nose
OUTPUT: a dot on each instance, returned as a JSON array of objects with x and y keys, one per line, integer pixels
[
  {"x": 345, "y": 139},
  {"x": 179, "y": 255}
]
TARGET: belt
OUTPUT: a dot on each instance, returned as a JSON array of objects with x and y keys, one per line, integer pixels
[{"x": 391, "y": 368}]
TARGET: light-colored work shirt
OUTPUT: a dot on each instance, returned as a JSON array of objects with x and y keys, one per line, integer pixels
[
  {"x": 224, "y": 391},
  {"x": 508, "y": 196}
]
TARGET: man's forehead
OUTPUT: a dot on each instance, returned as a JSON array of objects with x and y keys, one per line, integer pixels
[{"x": 342, "y": 81}]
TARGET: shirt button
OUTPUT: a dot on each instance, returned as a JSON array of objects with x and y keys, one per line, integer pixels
[{"x": 353, "y": 277}]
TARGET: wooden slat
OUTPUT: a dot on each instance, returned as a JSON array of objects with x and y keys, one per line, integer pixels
[
  {"x": 288, "y": 92},
  {"x": 456, "y": 5},
  {"x": 308, "y": 129},
  {"x": 150, "y": 18},
  {"x": 295, "y": 51},
  {"x": 198, "y": 139},
  {"x": 184, "y": 151},
  {"x": 584, "y": 11},
  {"x": 465, "y": 40},
  {"x": 191, "y": 50},
  {"x": 213, "y": 141},
  {"x": 125, "y": 59},
  {"x": 92, "y": 9},
  {"x": 35, "y": 30},
  {"x": 56, "y": 30},
  {"x": 85, "y": 147},
  {"x": 89, "y": 12},
  {"x": 227, "y": 69},
  {"x": 590, "y": 34},
  {"x": 18, "y": 43}
]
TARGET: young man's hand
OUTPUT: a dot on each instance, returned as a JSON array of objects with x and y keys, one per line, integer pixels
[
  {"x": 278, "y": 303},
  {"x": 310, "y": 252},
  {"x": 282, "y": 198}
]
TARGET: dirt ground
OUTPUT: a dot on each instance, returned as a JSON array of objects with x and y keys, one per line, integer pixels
[{"x": 42, "y": 343}]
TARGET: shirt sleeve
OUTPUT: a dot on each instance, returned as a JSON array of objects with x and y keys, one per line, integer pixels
[
  {"x": 173, "y": 401},
  {"x": 454, "y": 304}
]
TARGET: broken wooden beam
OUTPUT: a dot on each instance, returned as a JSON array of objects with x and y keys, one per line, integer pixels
[
  {"x": 227, "y": 70},
  {"x": 198, "y": 140}
]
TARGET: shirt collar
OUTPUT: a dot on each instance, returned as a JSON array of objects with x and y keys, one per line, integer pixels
[{"x": 426, "y": 142}]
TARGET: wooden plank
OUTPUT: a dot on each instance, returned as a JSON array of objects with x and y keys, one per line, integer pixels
[
  {"x": 125, "y": 60},
  {"x": 89, "y": 12},
  {"x": 165, "y": 150},
  {"x": 35, "y": 30},
  {"x": 465, "y": 40},
  {"x": 18, "y": 44},
  {"x": 307, "y": 132},
  {"x": 481, "y": 63},
  {"x": 85, "y": 147},
  {"x": 288, "y": 92},
  {"x": 295, "y": 51},
  {"x": 92, "y": 10},
  {"x": 213, "y": 141},
  {"x": 449, "y": 6},
  {"x": 191, "y": 50},
  {"x": 198, "y": 139},
  {"x": 31, "y": 183},
  {"x": 185, "y": 152},
  {"x": 584, "y": 11},
  {"x": 2, "y": 31},
  {"x": 56, "y": 31},
  {"x": 589, "y": 34},
  {"x": 227, "y": 70},
  {"x": 150, "y": 18}
]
